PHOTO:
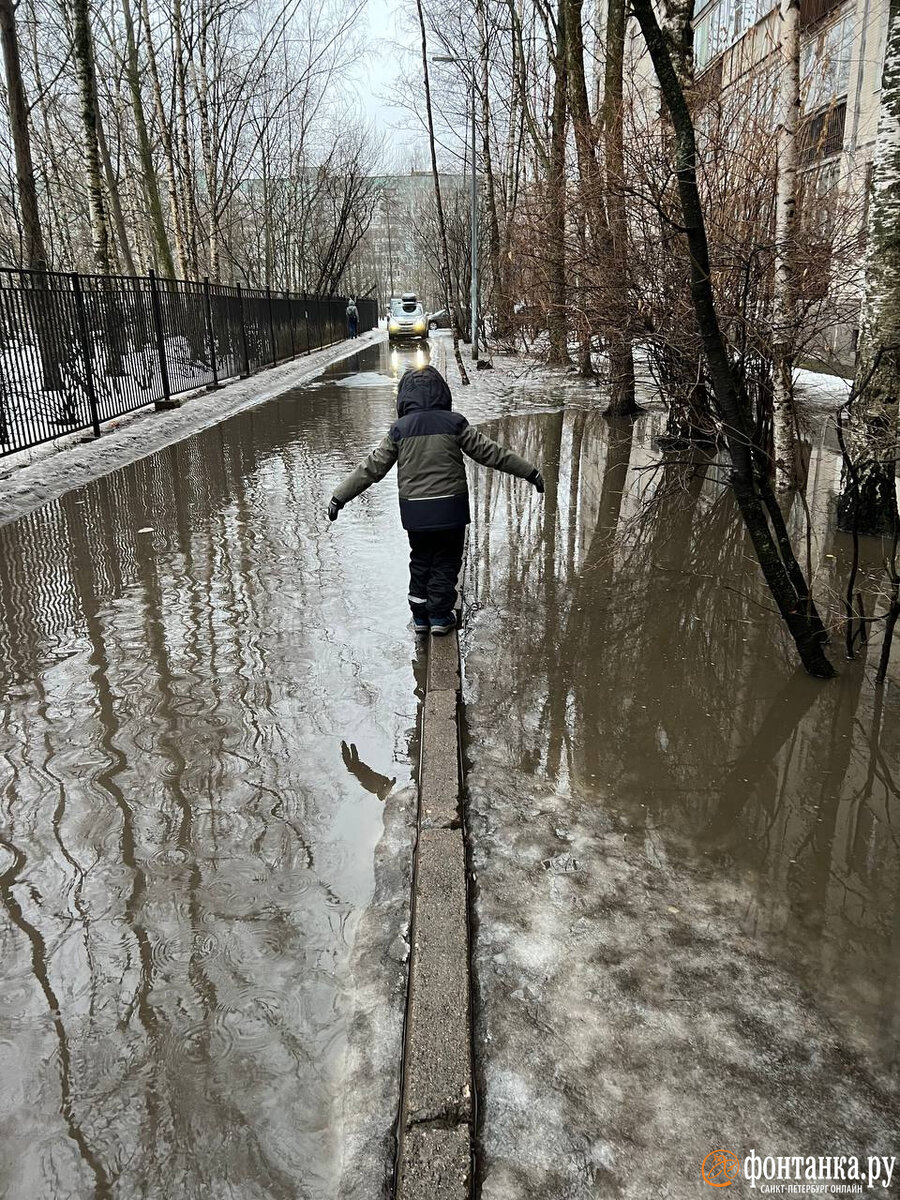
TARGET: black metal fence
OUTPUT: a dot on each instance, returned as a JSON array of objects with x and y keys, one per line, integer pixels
[{"x": 78, "y": 350}]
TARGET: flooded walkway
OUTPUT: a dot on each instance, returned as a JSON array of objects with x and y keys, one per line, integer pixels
[
  {"x": 686, "y": 927},
  {"x": 688, "y": 884},
  {"x": 208, "y": 698}
]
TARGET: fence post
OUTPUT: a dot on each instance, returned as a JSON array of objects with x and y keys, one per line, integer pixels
[
  {"x": 86, "y": 350},
  {"x": 156, "y": 309},
  {"x": 240, "y": 292},
  {"x": 271, "y": 328},
  {"x": 210, "y": 332},
  {"x": 290, "y": 306}
]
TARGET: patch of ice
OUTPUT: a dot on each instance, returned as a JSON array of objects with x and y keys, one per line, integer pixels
[{"x": 364, "y": 379}]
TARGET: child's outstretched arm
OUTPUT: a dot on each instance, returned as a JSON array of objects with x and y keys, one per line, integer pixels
[
  {"x": 375, "y": 467},
  {"x": 492, "y": 454}
]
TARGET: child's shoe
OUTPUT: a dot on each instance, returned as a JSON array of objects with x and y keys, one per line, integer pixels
[
  {"x": 443, "y": 625},
  {"x": 421, "y": 624}
]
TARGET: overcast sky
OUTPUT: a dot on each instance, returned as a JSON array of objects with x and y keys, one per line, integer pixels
[{"x": 376, "y": 78}]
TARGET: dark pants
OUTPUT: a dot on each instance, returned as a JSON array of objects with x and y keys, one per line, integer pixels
[
  {"x": 435, "y": 561},
  {"x": 352, "y": 326}
]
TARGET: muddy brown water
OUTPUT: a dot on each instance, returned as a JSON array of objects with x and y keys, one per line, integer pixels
[
  {"x": 687, "y": 885},
  {"x": 688, "y": 880},
  {"x": 206, "y": 694}
]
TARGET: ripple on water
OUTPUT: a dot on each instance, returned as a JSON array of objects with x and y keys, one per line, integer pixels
[
  {"x": 168, "y": 856},
  {"x": 161, "y": 695},
  {"x": 190, "y": 947},
  {"x": 207, "y": 1040}
]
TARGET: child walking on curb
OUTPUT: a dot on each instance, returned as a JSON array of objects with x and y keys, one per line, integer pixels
[{"x": 427, "y": 442}]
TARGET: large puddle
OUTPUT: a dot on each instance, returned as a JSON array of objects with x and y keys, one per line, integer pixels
[
  {"x": 688, "y": 898},
  {"x": 687, "y": 932},
  {"x": 208, "y": 696}
]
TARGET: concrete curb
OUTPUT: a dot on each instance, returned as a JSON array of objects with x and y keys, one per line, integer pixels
[{"x": 437, "y": 1106}]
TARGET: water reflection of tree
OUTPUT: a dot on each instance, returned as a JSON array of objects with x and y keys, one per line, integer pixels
[
  {"x": 659, "y": 671},
  {"x": 157, "y": 830}
]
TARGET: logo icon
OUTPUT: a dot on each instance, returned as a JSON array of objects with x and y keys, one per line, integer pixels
[{"x": 720, "y": 1168}]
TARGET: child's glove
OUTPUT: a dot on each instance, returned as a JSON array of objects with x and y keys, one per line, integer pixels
[
  {"x": 538, "y": 480},
  {"x": 335, "y": 507}
]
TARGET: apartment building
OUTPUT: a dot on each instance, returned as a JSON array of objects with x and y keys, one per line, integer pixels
[
  {"x": 737, "y": 59},
  {"x": 400, "y": 246},
  {"x": 842, "y": 53},
  {"x": 841, "y": 59}
]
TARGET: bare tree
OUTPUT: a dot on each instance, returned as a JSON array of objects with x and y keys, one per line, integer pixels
[
  {"x": 149, "y": 179},
  {"x": 750, "y": 470},
  {"x": 35, "y": 254},
  {"x": 594, "y": 223},
  {"x": 445, "y": 254},
  {"x": 621, "y": 357},
  {"x": 83, "y": 53}
]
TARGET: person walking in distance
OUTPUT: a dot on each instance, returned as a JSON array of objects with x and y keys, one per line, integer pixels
[
  {"x": 427, "y": 442},
  {"x": 352, "y": 319}
]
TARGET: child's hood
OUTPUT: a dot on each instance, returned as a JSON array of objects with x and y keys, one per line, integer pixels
[{"x": 422, "y": 388}]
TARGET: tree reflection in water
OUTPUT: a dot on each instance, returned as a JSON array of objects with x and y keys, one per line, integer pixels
[
  {"x": 647, "y": 688},
  {"x": 183, "y": 856}
]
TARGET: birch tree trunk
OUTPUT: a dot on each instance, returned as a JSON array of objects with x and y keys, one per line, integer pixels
[
  {"x": 621, "y": 355},
  {"x": 449, "y": 294},
  {"x": 83, "y": 53},
  {"x": 868, "y": 500},
  {"x": 35, "y": 255},
  {"x": 784, "y": 305},
  {"x": 189, "y": 200},
  {"x": 676, "y": 22},
  {"x": 208, "y": 143},
  {"x": 149, "y": 179}
]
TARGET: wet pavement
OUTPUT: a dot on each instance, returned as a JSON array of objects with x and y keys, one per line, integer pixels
[
  {"x": 208, "y": 699},
  {"x": 687, "y": 912}
]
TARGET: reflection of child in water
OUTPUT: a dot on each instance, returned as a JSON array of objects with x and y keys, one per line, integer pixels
[{"x": 378, "y": 785}]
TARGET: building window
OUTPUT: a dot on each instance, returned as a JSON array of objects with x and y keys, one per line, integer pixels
[
  {"x": 819, "y": 195},
  {"x": 817, "y": 206},
  {"x": 812, "y": 11},
  {"x": 722, "y": 23},
  {"x": 822, "y": 136},
  {"x": 825, "y": 64}
]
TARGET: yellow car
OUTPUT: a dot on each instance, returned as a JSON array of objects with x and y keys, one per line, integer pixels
[{"x": 406, "y": 319}]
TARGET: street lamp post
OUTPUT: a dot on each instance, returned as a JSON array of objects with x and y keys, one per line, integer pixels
[
  {"x": 473, "y": 216},
  {"x": 387, "y": 213}
]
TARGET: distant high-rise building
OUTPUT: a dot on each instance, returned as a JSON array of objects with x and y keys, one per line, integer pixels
[{"x": 400, "y": 247}]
